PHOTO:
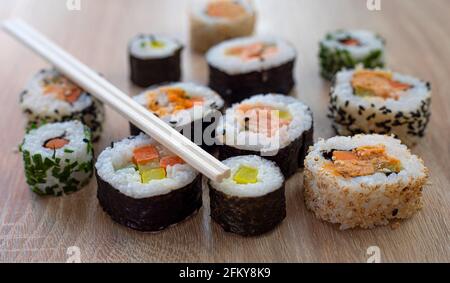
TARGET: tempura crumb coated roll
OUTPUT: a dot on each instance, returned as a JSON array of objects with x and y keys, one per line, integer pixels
[
  {"x": 154, "y": 59},
  {"x": 58, "y": 158},
  {"x": 348, "y": 48},
  {"x": 145, "y": 187},
  {"x": 242, "y": 67},
  {"x": 213, "y": 21},
  {"x": 51, "y": 97},
  {"x": 276, "y": 127},
  {"x": 252, "y": 201},
  {"x": 380, "y": 101},
  {"x": 363, "y": 181}
]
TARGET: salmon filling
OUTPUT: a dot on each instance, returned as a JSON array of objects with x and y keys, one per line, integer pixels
[
  {"x": 378, "y": 83},
  {"x": 176, "y": 99},
  {"x": 150, "y": 165},
  {"x": 260, "y": 118},
  {"x": 56, "y": 143},
  {"x": 255, "y": 51},
  {"x": 227, "y": 9},
  {"x": 350, "y": 42},
  {"x": 62, "y": 89},
  {"x": 363, "y": 161}
]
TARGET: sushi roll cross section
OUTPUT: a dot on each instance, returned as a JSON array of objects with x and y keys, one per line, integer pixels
[
  {"x": 345, "y": 49},
  {"x": 58, "y": 158},
  {"x": 143, "y": 186},
  {"x": 51, "y": 97},
  {"x": 379, "y": 101},
  {"x": 252, "y": 201},
  {"x": 190, "y": 108},
  {"x": 276, "y": 127},
  {"x": 154, "y": 59},
  {"x": 213, "y": 21},
  {"x": 242, "y": 67},
  {"x": 363, "y": 181}
]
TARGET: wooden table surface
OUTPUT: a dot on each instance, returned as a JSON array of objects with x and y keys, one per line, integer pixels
[{"x": 36, "y": 228}]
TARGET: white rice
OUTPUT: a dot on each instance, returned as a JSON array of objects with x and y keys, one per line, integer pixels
[
  {"x": 234, "y": 65},
  {"x": 114, "y": 166},
  {"x": 148, "y": 52},
  {"x": 212, "y": 102},
  {"x": 369, "y": 42},
  {"x": 269, "y": 177},
  {"x": 237, "y": 136},
  {"x": 47, "y": 105}
]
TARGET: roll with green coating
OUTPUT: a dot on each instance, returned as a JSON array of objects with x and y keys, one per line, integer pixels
[
  {"x": 58, "y": 158},
  {"x": 345, "y": 49}
]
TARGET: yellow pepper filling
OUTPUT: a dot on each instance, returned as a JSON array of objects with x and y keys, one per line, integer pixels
[{"x": 246, "y": 175}]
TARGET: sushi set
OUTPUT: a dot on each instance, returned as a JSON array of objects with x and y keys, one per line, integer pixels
[{"x": 364, "y": 177}]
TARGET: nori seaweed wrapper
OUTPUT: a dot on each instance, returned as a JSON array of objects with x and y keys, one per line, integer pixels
[
  {"x": 153, "y": 213},
  {"x": 248, "y": 216},
  {"x": 289, "y": 159},
  {"x": 235, "y": 88},
  {"x": 147, "y": 72}
]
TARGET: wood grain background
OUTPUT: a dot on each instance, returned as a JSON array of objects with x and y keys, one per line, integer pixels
[{"x": 33, "y": 228}]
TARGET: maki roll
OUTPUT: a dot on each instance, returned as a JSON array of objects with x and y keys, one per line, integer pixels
[
  {"x": 190, "y": 108},
  {"x": 213, "y": 21},
  {"x": 58, "y": 158},
  {"x": 348, "y": 48},
  {"x": 363, "y": 181},
  {"x": 154, "y": 59},
  {"x": 144, "y": 186},
  {"x": 242, "y": 67},
  {"x": 252, "y": 201},
  {"x": 51, "y": 97},
  {"x": 276, "y": 127},
  {"x": 379, "y": 101}
]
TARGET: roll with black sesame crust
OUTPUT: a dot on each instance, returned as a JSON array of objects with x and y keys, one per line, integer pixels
[
  {"x": 50, "y": 97},
  {"x": 382, "y": 102}
]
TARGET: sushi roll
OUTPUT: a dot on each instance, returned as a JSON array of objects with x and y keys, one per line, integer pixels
[
  {"x": 51, "y": 97},
  {"x": 363, "y": 181},
  {"x": 58, "y": 158},
  {"x": 213, "y": 21},
  {"x": 242, "y": 67},
  {"x": 143, "y": 186},
  {"x": 190, "y": 108},
  {"x": 276, "y": 127},
  {"x": 348, "y": 48},
  {"x": 252, "y": 201},
  {"x": 382, "y": 102},
  {"x": 154, "y": 59}
]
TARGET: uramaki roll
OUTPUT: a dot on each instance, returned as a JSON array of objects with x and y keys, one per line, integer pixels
[{"x": 363, "y": 181}]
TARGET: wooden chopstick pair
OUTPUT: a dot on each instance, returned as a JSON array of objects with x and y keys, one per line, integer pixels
[{"x": 118, "y": 100}]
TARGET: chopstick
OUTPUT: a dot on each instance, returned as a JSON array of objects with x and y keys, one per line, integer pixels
[{"x": 118, "y": 100}]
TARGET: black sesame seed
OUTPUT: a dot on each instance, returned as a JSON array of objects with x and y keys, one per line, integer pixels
[{"x": 395, "y": 212}]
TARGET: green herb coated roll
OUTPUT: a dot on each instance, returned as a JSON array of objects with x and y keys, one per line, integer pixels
[
  {"x": 348, "y": 48},
  {"x": 58, "y": 158}
]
